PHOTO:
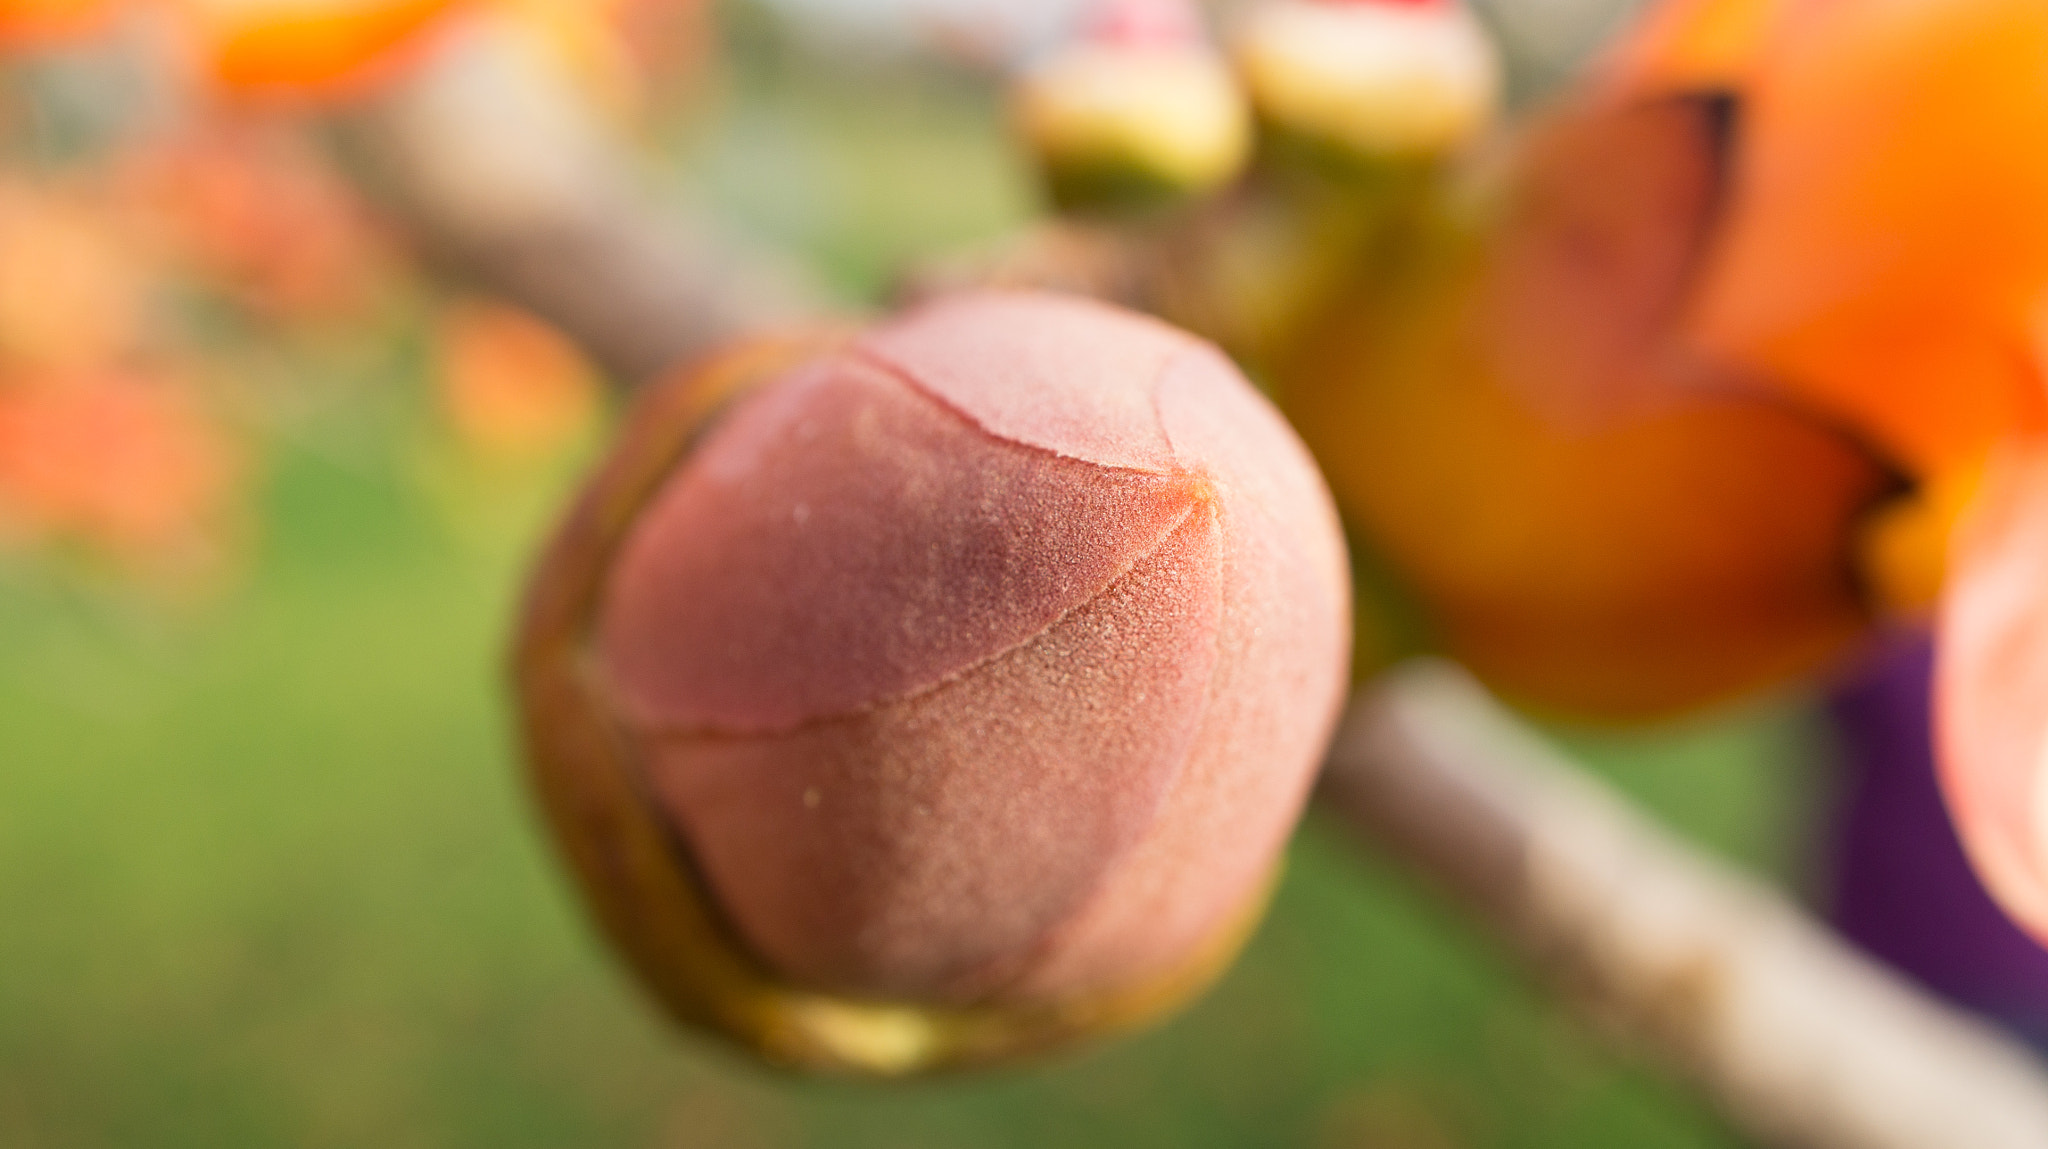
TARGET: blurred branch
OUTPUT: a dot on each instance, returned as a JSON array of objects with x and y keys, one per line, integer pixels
[
  {"x": 504, "y": 178},
  {"x": 1801, "y": 1040}
]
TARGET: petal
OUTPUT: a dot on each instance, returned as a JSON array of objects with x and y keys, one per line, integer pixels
[{"x": 1991, "y": 685}]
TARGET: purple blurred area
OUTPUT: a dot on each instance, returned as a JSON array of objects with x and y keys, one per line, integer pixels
[{"x": 1901, "y": 885}]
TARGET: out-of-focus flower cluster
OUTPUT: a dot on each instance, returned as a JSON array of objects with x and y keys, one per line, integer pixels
[
  {"x": 325, "y": 50},
  {"x": 167, "y": 215},
  {"x": 109, "y": 438}
]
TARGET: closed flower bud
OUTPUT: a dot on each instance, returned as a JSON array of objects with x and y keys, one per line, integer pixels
[
  {"x": 1373, "y": 79},
  {"x": 1138, "y": 111},
  {"x": 951, "y": 694}
]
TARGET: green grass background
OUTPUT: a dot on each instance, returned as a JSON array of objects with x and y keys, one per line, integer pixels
[{"x": 268, "y": 876}]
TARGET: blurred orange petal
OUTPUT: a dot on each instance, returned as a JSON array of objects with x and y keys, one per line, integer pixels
[
  {"x": 261, "y": 215},
  {"x": 124, "y": 461},
  {"x": 38, "y": 23},
  {"x": 70, "y": 287},
  {"x": 1886, "y": 254},
  {"x": 665, "y": 37},
  {"x": 1596, "y": 524},
  {"x": 511, "y": 384},
  {"x": 310, "y": 48},
  {"x": 1692, "y": 45}
]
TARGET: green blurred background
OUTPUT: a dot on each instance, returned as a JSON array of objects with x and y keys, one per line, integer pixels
[{"x": 268, "y": 875}]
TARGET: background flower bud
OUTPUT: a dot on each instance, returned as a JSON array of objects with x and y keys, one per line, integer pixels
[
  {"x": 976, "y": 667},
  {"x": 1374, "y": 79},
  {"x": 1138, "y": 111}
]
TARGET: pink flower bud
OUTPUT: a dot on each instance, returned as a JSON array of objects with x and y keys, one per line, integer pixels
[{"x": 965, "y": 678}]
